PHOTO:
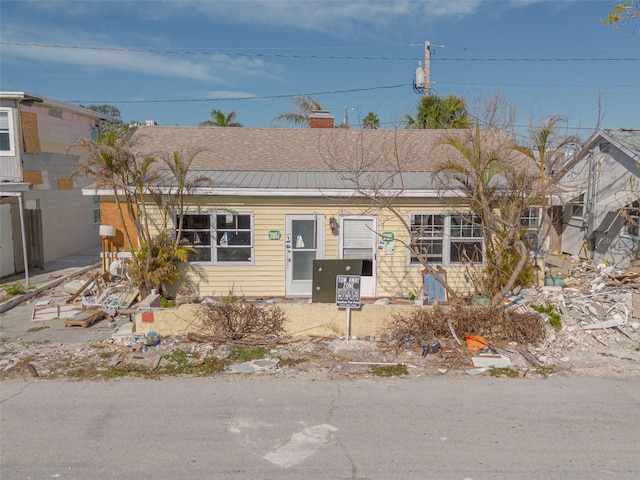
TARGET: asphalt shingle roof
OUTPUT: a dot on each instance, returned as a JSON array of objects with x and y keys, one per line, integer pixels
[{"x": 311, "y": 158}]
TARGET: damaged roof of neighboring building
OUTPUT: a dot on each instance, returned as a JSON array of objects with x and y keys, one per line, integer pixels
[
  {"x": 29, "y": 97},
  {"x": 627, "y": 140}
]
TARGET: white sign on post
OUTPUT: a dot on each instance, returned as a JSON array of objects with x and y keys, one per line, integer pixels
[
  {"x": 348, "y": 296},
  {"x": 348, "y": 291}
]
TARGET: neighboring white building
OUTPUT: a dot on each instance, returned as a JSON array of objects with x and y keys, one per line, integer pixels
[
  {"x": 40, "y": 193},
  {"x": 601, "y": 221}
]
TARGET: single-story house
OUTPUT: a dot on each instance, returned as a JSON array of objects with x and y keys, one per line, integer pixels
[
  {"x": 280, "y": 198},
  {"x": 602, "y": 221},
  {"x": 43, "y": 214}
]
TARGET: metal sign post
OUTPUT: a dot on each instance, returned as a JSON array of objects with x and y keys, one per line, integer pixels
[{"x": 348, "y": 296}]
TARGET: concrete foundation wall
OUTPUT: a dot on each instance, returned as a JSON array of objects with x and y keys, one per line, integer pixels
[{"x": 302, "y": 319}]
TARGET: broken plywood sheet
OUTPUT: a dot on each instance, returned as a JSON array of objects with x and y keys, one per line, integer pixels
[{"x": 51, "y": 312}]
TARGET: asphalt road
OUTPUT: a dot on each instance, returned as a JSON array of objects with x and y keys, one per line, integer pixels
[{"x": 249, "y": 427}]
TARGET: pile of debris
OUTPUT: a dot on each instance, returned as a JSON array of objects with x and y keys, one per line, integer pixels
[
  {"x": 89, "y": 301},
  {"x": 596, "y": 306}
]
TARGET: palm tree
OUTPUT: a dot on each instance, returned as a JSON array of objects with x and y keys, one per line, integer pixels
[
  {"x": 221, "y": 120},
  {"x": 181, "y": 184},
  {"x": 498, "y": 189},
  {"x": 301, "y": 117},
  {"x": 109, "y": 160},
  {"x": 371, "y": 121},
  {"x": 438, "y": 112}
]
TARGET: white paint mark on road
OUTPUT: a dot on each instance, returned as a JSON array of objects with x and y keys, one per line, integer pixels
[{"x": 301, "y": 446}]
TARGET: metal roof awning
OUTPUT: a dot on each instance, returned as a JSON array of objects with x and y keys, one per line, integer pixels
[
  {"x": 618, "y": 200},
  {"x": 13, "y": 189}
]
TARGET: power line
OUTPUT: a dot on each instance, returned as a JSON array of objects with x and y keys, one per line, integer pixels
[
  {"x": 316, "y": 57},
  {"x": 255, "y": 97}
]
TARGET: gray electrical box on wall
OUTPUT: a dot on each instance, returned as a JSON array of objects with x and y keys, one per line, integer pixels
[{"x": 324, "y": 277}]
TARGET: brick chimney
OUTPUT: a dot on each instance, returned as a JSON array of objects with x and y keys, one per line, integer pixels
[{"x": 321, "y": 119}]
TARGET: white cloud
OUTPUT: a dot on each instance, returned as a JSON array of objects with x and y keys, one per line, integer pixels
[
  {"x": 107, "y": 55},
  {"x": 229, "y": 94},
  {"x": 334, "y": 17}
]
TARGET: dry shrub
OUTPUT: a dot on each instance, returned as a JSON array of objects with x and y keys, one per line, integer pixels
[
  {"x": 239, "y": 321},
  {"x": 498, "y": 325}
]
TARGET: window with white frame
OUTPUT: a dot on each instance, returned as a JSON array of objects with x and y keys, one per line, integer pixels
[
  {"x": 447, "y": 239},
  {"x": 427, "y": 231},
  {"x": 466, "y": 239},
  {"x": 7, "y": 142},
  {"x": 96, "y": 209},
  {"x": 577, "y": 209},
  {"x": 530, "y": 219},
  {"x": 220, "y": 238}
]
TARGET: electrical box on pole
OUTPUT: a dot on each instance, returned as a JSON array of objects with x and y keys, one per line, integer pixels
[
  {"x": 422, "y": 77},
  {"x": 419, "y": 79}
]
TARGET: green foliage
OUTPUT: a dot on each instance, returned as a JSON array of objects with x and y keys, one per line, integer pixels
[
  {"x": 545, "y": 370},
  {"x": 108, "y": 110},
  {"x": 220, "y": 119},
  {"x": 15, "y": 289},
  {"x": 243, "y": 354},
  {"x": 541, "y": 309},
  {"x": 389, "y": 370},
  {"x": 167, "y": 303},
  {"x": 555, "y": 321},
  {"x": 506, "y": 372},
  {"x": 156, "y": 265},
  {"x": 497, "y": 272},
  {"x": 554, "y": 318},
  {"x": 371, "y": 121},
  {"x": 437, "y": 112}
]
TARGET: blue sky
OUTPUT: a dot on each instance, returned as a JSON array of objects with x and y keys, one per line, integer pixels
[{"x": 175, "y": 61}]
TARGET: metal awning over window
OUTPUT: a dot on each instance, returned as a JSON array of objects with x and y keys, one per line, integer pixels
[{"x": 618, "y": 200}]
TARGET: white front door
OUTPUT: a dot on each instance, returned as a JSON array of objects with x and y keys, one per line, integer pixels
[
  {"x": 359, "y": 240},
  {"x": 304, "y": 243}
]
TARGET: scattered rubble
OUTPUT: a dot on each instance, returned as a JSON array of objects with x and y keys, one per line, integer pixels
[{"x": 598, "y": 334}]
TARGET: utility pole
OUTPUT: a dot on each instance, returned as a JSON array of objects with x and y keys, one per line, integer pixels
[
  {"x": 427, "y": 67},
  {"x": 422, "y": 77}
]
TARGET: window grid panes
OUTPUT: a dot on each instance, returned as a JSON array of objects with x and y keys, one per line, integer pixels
[
  {"x": 447, "y": 239},
  {"x": 219, "y": 237},
  {"x": 466, "y": 241},
  {"x": 428, "y": 234},
  {"x": 6, "y": 140},
  {"x": 531, "y": 218},
  {"x": 96, "y": 209}
]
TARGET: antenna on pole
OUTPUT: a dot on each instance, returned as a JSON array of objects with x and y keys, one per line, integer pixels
[{"x": 427, "y": 67}]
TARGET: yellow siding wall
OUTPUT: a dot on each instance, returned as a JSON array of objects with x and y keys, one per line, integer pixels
[{"x": 266, "y": 276}]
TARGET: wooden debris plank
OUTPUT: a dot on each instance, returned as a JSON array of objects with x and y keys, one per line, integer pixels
[
  {"x": 51, "y": 312},
  {"x": 155, "y": 363},
  {"x": 82, "y": 288},
  {"x": 112, "y": 345},
  {"x": 85, "y": 319},
  {"x": 116, "y": 359}
]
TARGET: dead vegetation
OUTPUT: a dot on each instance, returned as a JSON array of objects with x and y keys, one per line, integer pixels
[
  {"x": 498, "y": 325},
  {"x": 235, "y": 321}
]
